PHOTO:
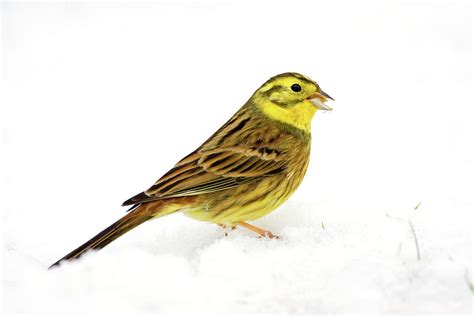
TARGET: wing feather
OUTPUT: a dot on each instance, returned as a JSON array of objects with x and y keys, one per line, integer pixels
[{"x": 214, "y": 170}]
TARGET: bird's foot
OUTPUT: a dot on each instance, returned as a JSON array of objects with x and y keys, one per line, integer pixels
[
  {"x": 269, "y": 234},
  {"x": 226, "y": 227},
  {"x": 258, "y": 230}
]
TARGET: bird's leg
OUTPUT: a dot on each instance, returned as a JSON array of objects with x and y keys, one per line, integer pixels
[{"x": 260, "y": 231}]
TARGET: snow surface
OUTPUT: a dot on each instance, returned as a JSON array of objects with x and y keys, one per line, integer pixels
[{"x": 101, "y": 99}]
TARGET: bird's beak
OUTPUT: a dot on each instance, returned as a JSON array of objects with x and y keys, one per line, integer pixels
[{"x": 318, "y": 99}]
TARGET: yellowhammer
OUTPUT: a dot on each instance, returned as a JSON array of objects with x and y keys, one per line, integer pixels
[{"x": 245, "y": 170}]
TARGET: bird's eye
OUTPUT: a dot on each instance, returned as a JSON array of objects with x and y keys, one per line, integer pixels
[{"x": 296, "y": 87}]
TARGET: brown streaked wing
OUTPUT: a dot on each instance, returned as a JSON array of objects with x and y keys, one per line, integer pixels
[{"x": 214, "y": 170}]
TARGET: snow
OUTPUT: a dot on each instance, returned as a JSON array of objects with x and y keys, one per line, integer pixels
[{"x": 101, "y": 99}]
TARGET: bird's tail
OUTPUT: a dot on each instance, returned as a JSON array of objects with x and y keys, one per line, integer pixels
[{"x": 114, "y": 231}]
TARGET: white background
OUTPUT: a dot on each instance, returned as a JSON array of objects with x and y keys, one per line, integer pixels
[{"x": 99, "y": 100}]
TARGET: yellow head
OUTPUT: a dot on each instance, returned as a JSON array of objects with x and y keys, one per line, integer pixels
[{"x": 292, "y": 99}]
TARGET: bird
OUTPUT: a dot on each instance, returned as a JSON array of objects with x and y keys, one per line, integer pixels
[{"x": 244, "y": 171}]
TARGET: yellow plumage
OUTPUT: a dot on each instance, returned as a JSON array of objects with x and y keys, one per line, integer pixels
[{"x": 245, "y": 170}]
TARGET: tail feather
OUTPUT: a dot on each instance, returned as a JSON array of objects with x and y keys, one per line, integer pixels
[{"x": 114, "y": 231}]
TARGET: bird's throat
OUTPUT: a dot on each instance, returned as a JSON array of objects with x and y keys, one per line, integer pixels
[{"x": 299, "y": 115}]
